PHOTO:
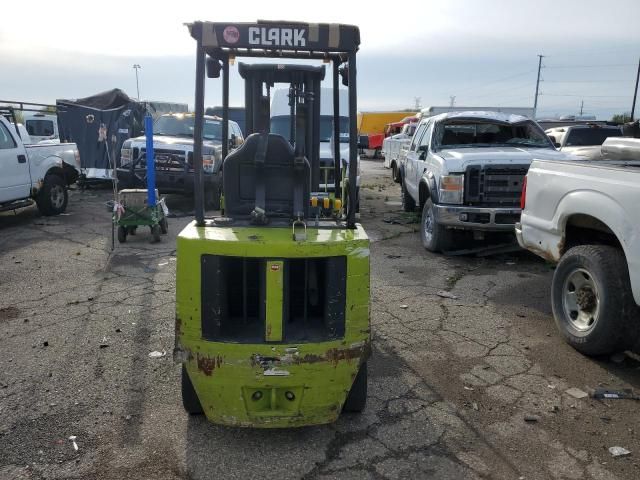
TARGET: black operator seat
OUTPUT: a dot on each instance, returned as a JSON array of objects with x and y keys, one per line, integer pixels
[{"x": 247, "y": 175}]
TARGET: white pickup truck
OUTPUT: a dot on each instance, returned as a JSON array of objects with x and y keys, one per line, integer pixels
[
  {"x": 582, "y": 141},
  {"x": 464, "y": 170},
  {"x": 40, "y": 172},
  {"x": 392, "y": 147},
  {"x": 584, "y": 216}
]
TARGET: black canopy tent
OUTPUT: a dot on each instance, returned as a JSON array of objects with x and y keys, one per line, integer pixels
[{"x": 98, "y": 125}]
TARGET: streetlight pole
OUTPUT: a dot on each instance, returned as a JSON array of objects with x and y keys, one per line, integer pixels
[
  {"x": 535, "y": 100},
  {"x": 635, "y": 93},
  {"x": 136, "y": 67}
]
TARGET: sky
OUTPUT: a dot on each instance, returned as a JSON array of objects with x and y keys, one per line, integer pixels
[{"x": 482, "y": 52}]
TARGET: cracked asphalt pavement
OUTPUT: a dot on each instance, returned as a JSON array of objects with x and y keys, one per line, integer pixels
[{"x": 467, "y": 379}]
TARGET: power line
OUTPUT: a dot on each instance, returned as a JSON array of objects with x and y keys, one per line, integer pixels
[
  {"x": 493, "y": 82},
  {"x": 592, "y": 66},
  {"x": 582, "y": 96}
]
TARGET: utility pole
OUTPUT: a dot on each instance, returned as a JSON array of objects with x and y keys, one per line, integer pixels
[
  {"x": 136, "y": 67},
  {"x": 535, "y": 102},
  {"x": 581, "y": 106},
  {"x": 635, "y": 93},
  {"x": 416, "y": 104},
  {"x": 452, "y": 101}
]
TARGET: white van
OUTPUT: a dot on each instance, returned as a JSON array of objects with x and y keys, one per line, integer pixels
[
  {"x": 280, "y": 124},
  {"x": 41, "y": 126}
]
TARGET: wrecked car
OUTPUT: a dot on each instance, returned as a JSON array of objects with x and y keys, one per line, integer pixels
[
  {"x": 38, "y": 173},
  {"x": 464, "y": 171}
]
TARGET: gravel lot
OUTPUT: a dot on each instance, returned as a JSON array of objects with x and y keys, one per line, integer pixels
[{"x": 467, "y": 379}]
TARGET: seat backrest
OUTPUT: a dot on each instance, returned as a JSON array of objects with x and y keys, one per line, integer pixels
[{"x": 278, "y": 175}]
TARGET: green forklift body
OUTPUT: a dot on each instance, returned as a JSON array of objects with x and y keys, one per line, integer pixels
[{"x": 272, "y": 331}]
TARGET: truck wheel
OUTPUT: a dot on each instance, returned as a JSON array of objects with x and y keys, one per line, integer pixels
[
  {"x": 122, "y": 234},
  {"x": 53, "y": 196},
  {"x": 394, "y": 173},
  {"x": 435, "y": 237},
  {"x": 592, "y": 301},
  {"x": 190, "y": 400},
  {"x": 408, "y": 203},
  {"x": 357, "y": 398}
]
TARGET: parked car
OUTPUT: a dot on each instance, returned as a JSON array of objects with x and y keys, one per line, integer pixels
[
  {"x": 377, "y": 126},
  {"x": 392, "y": 147},
  {"x": 40, "y": 173},
  {"x": 582, "y": 140},
  {"x": 173, "y": 151},
  {"x": 464, "y": 170},
  {"x": 583, "y": 216}
]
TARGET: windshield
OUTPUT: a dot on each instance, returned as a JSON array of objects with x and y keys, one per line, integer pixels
[
  {"x": 176, "y": 126},
  {"x": 473, "y": 133},
  {"x": 582, "y": 137},
  {"x": 281, "y": 125}
]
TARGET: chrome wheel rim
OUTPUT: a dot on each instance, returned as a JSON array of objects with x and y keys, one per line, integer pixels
[
  {"x": 427, "y": 226},
  {"x": 57, "y": 196},
  {"x": 581, "y": 300}
]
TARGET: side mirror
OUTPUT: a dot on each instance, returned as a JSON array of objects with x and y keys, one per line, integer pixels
[
  {"x": 422, "y": 150},
  {"x": 213, "y": 67},
  {"x": 363, "y": 141}
]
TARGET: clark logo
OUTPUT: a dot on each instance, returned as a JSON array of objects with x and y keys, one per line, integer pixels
[
  {"x": 231, "y": 34},
  {"x": 278, "y": 37}
]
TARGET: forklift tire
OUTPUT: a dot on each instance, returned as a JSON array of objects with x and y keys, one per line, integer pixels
[
  {"x": 53, "y": 196},
  {"x": 164, "y": 226},
  {"x": 122, "y": 234},
  {"x": 190, "y": 400},
  {"x": 357, "y": 398},
  {"x": 155, "y": 233}
]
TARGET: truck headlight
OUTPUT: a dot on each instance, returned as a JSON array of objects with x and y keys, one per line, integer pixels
[
  {"x": 451, "y": 189},
  {"x": 125, "y": 156}
]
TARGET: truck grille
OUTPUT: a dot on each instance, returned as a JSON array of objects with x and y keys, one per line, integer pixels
[
  {"x": 169, "y": 160},
  {"x": 234, "y": 299},
  {"x": 494, "y": 185}
]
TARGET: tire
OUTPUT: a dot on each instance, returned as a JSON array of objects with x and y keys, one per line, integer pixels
[
  {"x": 122, "y": 234},
  {"x": 164, "y": 226},
  {"x": 53, "y": 196},
  {"x": 190, "y": 400},
  {"x": 394, "y": 173},
  {"x": 592, "y": 301},
  {"x": 155, "y": 233},
  {"x": 357, "y": 398},
  {"x": 212, "y": 198},
  {"x": 408, "y": 203},
  {"x": 435, "y": 237}
]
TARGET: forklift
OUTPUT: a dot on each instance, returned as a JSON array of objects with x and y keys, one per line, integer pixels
[{"x": 272, "y": 297}]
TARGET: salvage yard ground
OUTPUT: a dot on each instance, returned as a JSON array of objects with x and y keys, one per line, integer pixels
[{"x": 468, "y": 377}]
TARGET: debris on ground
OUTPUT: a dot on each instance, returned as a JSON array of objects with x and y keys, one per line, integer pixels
[
  {"x": 404, "y": 307},
  {"x": 576, "y": 393},
  {"x": 157, "y": 354},
  {"x": 445, "y": 294},
  {"x": 73, "y": 442},
  {"x": 104, "y": 343},
  {"x": 604, "y": 394},
  {"x": 532, "y": 418},
  {"x": 619, "y": 451}
]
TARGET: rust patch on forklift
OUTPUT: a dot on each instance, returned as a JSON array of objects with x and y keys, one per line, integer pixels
[{"x": 208, "y": 364}]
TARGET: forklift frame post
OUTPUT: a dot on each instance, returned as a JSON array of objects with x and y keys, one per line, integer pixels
[
  {"x": 225, "y": 106},
  {"x": 337, "y": 168},
  {"x": 353, "y": 141},
  {"x": 198, "y": 192}
]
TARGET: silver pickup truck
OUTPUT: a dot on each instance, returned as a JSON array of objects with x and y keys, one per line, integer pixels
[
  {"x": 40, "y": 172},
  {"x": 464, "y": 170},
  {"x": 583, "y": 215}
]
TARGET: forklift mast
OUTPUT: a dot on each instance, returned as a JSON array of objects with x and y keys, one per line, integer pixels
[
  {"x": 304, "y": 102},
  {"x": 219, "y": 43}
]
